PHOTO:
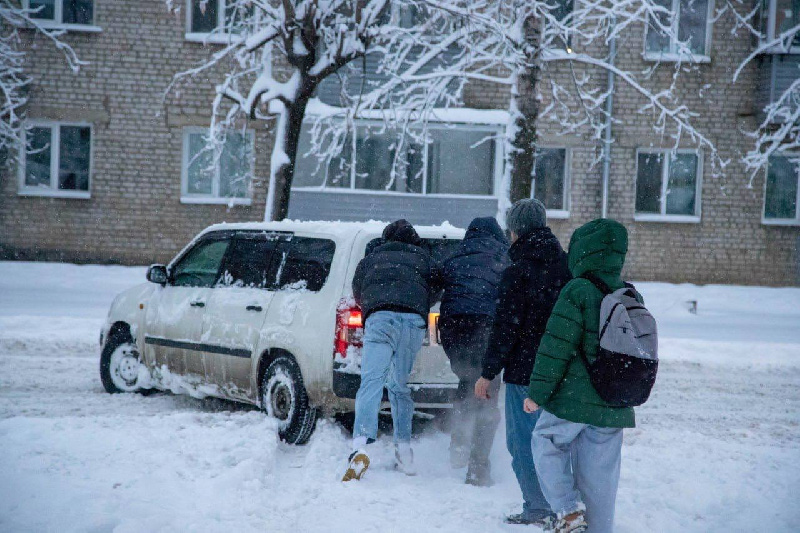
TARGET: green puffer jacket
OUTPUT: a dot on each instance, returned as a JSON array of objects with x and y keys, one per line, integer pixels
[{"x": 560, "y": 382}]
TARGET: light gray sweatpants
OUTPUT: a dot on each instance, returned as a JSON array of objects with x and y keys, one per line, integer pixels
[{"x": 578, "y": 463}]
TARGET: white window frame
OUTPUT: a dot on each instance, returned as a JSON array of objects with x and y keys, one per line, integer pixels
[
  {"x": 781, "y": 221},
  {"x": 488, "y": 128},
  {"x": 217, "y": 35},
  {"x": 58, "y": 15},
  {"x": 663, "y": 216},
  {"x": 559, "y": 213},
  {"x": 673, "y": 55},
  {"x": 213, "y": 198},
  {"x": 55, "y": 148},
  {"x": 772, "y": 10}
]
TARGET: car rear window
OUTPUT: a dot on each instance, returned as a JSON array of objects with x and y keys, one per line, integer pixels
[
  {"x": 306, "y": 261},
  {"x": 440, "y": 249}
]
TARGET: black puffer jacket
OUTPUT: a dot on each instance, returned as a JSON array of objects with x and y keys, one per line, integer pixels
[
  {"x": 528, "y": 291},
  {"x": 471, "y": 275},
  {"x": 397, "y": 274}
]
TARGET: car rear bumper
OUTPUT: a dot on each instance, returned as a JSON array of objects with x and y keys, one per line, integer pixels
[{"x": 433, "y": 395}]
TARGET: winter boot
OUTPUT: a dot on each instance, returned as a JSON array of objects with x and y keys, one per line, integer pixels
[
  {"x": 573, "y": 521},
  {"x": 459, "y": 456},
  {"x": 479, "y": 476},
  {"x": 404, "y": 459},
  {"x": 357, "y": 466},
  {"x": 546, "y": 523}
]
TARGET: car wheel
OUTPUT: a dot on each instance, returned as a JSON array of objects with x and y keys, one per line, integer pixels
[
  {"x": 121, "y": 369},
  {"x": 283, "y": 397}
]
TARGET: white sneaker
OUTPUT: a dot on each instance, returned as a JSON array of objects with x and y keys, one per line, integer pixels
[
  {"x": 573, "y": 521},
  {"x": 404, "y": 459}
]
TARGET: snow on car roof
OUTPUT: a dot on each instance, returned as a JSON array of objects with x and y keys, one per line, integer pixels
[{"x": 337, "y": 228}]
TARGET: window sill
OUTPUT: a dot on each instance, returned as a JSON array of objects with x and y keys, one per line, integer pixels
[
  {"x": 676, "y": 219},
  {"x": 76, "y": 28},
  {"x": 780, "y": 222},
  {"x": 194, "y": 200},
  {"x": 211, "y": 38},
  {"x": 50, "y": 193},
  {"x": 560, "y": 214},
  {"x": 674, "y": 58}
]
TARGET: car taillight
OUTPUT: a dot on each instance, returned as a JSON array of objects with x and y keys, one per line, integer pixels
[{"x": 349, "y": 330}]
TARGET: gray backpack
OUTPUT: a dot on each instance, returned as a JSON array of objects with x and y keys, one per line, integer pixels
[{"x": 624, "y": 372}]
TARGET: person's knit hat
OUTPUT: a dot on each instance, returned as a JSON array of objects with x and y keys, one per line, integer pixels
[
  {"x": 401, "y": 231},
  {"x": 525, "y": 216}
]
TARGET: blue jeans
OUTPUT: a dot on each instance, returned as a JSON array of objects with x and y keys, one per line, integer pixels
[
  {"x": 391, "y": 343},
  {"x": 579, "y": 462},
  {"x": 519, "y": 430}
]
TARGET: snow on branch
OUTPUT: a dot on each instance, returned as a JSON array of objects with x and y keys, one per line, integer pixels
[
  {"x": 402, "y": 60},
  {"x": 779, "y": 129},
  {"x": 13, "y": 79}
]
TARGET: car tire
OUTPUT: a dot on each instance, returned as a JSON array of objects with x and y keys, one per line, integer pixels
[
  {"x": 121, "y": 366},
  {"x": 284, "y": 397}
]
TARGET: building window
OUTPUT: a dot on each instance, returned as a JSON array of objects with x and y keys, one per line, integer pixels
[
  {"x": 56, "y": 160},
  {"x": 781, "y": 190},
  {"x": 668, "y": 185},
  {"x": 218, "y": 17},
  {"x": 73, "y": 14},
  {"x": 689, "y": 23},
  {"x": 550, "y": 180},
  {"x": 560, "y": 10},
  {"x": 454, "y": 160},
  {"x": 213, "y": 176},
  {"x": 778, "y": 17}
]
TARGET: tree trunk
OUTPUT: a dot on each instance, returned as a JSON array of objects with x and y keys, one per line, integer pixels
[
  {"x": 523, "y": 155},
  {"x": 292, "y": 122}
]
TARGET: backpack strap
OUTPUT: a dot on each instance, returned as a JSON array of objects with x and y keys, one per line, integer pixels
[{"x": 601, "y": 285}]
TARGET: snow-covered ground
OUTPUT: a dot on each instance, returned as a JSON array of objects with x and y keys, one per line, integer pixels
[{"x": 717, "y": 448}]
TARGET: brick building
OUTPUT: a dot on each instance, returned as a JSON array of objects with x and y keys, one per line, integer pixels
[{"x": 121, "y": 175}]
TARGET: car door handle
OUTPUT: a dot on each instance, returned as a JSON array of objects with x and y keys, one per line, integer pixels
[
  {"x": 198, "y": 304},
  {"x": 256, "y": 308}
]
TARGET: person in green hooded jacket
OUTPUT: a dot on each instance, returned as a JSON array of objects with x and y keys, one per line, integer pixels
[{"x": 577, "y": 441}]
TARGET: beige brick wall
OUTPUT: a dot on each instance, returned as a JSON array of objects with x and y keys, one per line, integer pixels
[{"x": 135, "y": 215}]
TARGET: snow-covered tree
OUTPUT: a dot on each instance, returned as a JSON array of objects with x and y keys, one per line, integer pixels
[
  {"x": 779, "y": 129},
  {"x": 278, "y": 52},
  {"x": 13, "y": 81}
]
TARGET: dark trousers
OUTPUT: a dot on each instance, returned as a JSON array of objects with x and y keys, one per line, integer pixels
[{"x": 465, "y": 339}]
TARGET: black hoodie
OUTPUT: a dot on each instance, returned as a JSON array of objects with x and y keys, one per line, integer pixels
[
  {"x": 471, "y": 276},
  {"x": 528, "y": 291},
  {"x": 397, "y": 273}
]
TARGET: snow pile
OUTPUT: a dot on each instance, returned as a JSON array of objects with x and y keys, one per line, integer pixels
[{"x": 715, "y": 449}]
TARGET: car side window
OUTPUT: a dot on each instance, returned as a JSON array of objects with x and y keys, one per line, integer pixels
[
  {"x": 306, "y": 263},
  {"x": 200, "y": 266},
  {"x": 248, "y": 262}
]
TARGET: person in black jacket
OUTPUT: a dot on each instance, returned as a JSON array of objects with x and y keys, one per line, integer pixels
[
  {"x": 528, "y": 292},
  {"x": 471, "y": 277},
  {"x": 394, "y": 285}
]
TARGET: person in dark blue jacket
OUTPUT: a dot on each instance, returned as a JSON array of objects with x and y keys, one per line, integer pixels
[{"x": 471, "y": 277}]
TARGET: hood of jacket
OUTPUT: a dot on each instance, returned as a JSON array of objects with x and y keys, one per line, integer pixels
[
  {"x": 483, "y": 227},
  {"x": 539, "y": 245},
  {"x": 599, "y": 247}
]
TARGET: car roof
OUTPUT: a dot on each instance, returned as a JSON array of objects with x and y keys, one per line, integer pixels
[{"x": 336, "y": 229}]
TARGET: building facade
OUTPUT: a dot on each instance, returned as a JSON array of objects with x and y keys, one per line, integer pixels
[{"x": 119, "y": 172}]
